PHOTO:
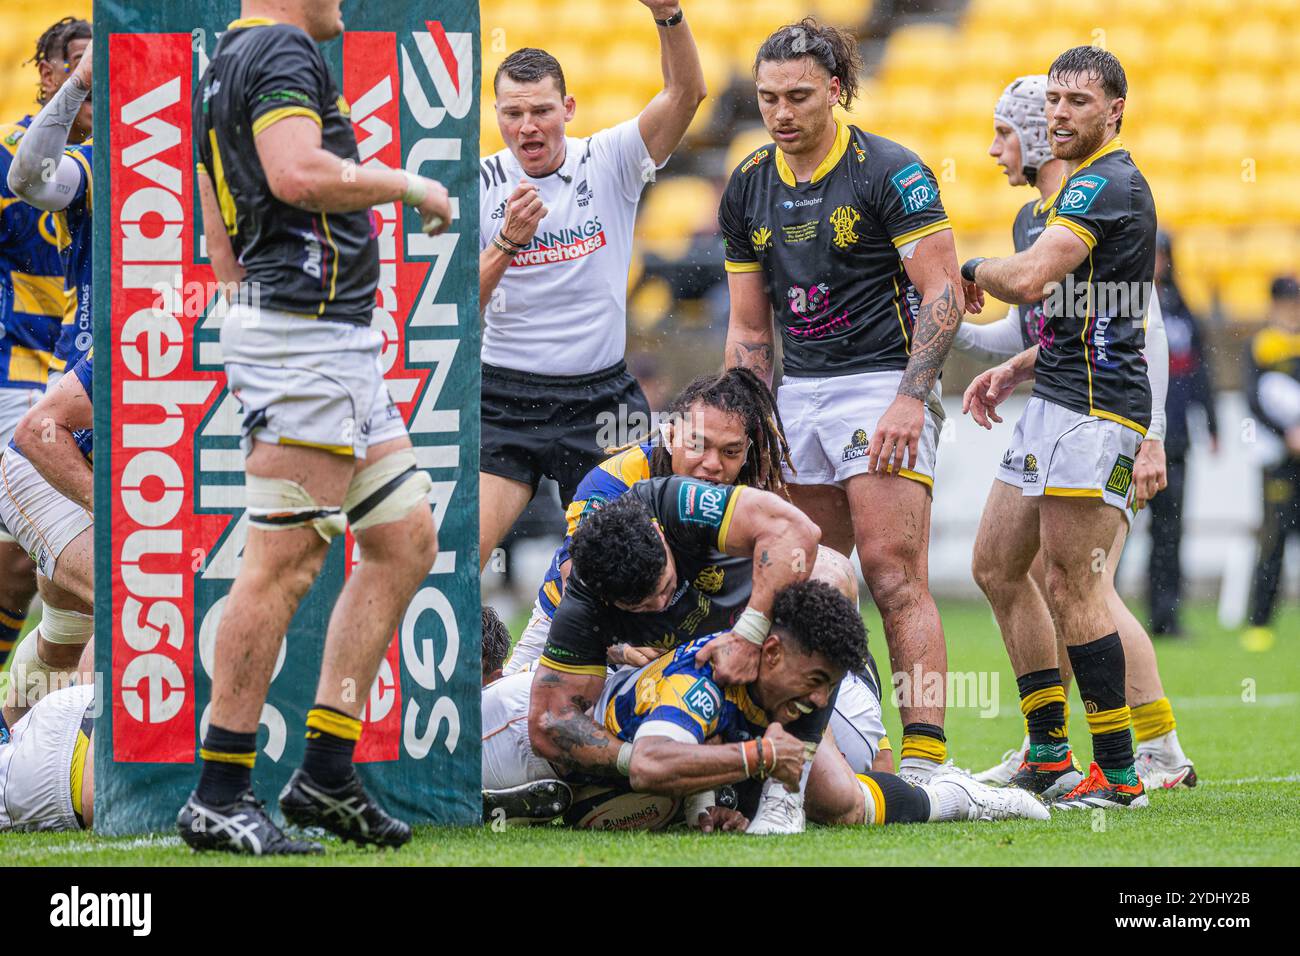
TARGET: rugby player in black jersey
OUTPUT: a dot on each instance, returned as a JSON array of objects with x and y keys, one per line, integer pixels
[
  {"x": 842, "y": 233},
  {"x": 286, "y": 210},
  {"x": 699, "y": 558},
  {"x": 1002, "y": 555},
  {"x": 1075, "y": 446}
]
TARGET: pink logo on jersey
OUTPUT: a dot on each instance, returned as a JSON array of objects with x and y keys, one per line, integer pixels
[{"x": 812, "y": 307}]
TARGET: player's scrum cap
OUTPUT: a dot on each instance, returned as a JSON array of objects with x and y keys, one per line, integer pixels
[{"x": 1023, "y": 107}]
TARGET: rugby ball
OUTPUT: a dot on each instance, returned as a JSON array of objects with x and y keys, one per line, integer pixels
[{"x": 601, "y": 807}]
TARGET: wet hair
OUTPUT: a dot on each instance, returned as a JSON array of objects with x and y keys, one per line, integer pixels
[
  {"x": 836, "y": 51},
  {"x": 1094, "y": 61},
  {"x": 740, "y": 392},
  {"x": 822, "y": 621},
  {"x": 530, "y": 65},
  {"x": 53, "y": 43},
  {"x": 496, "y": 641},
  {"x": 617, "y": 552}
]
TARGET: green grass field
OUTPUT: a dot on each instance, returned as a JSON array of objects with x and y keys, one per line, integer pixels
[{"x": 1235, "y": 711}]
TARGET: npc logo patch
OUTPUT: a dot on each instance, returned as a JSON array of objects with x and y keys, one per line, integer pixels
[
  {"x": 702, "y": 700},
  {"x": 698, "y": 503},
  {"x": 1121, "y": 476},
  {"x": 1080, "y": 193},
  {"x": 914, "y": 188}
]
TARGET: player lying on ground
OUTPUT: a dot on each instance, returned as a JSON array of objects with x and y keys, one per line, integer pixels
[
  {"x": 47, "y": 773},
  {"x": 1067, "y": 481},
  {"x": 1021, "y": 148},
  {"x": 671, "y": 560},
  {"x": 668, "y": 712},
  {"x": 46, "y": 500},
  {"x": 32, "y": 300}
]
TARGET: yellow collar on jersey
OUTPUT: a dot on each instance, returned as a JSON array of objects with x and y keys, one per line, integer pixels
[
  {"x": 837, "y": 150},
  {"x": 1113, "y": 146},
  {"x": 251, "y": 22}
]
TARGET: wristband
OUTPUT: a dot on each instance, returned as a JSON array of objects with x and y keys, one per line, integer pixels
[
  {"x": 624, "y": 762},
  {"x": 672, "y": 21},
  {"x": 753, "y": 626},
  {"x": 744, "y": 756},
  {"x": 517, "y": 246},
  {"x": 969, "y": 266},
  {"x": 415, "y": 189},
  {"x": 510, "y": 251}
]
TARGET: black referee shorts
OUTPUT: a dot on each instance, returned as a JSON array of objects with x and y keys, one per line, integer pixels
[{"x": 535, "y": 425}]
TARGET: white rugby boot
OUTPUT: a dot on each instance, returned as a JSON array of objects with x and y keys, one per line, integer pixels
[
  {"x": 1162, "y": 765},
  {"x": 779, "y": 811},
  {"x": 1000, "y": 774},
  {"x": 962, "y": 797}
]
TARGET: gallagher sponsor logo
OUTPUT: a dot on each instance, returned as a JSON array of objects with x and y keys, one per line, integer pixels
[{"x": 157, "y": 400}]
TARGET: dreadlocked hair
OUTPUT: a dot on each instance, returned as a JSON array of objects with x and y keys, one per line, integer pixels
[
  {"x": 53, "y": 43},
  {"x": 739, "y": 392}
]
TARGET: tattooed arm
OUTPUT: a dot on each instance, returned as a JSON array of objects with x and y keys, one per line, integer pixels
[
  {"x": 750, "y": 341},
  {"x": 932, "y": 269},
  {"x": 560, "y": 729}
]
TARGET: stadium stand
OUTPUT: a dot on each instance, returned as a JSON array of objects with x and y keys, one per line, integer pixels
[{"x": 1213, "y": 115}]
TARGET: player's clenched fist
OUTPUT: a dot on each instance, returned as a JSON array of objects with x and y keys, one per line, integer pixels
[
  {"x": 789, "y": 756},
  {"x": 734, "y": 659},
  {"x": 435, "y": 207},
  {"x": 524, "y": 210}
]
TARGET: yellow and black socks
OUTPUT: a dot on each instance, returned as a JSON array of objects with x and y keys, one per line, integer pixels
[
  {"x": 889, "y": 799},
  {"x": 11, "y": 625},
  {"x": 1042, "y": 701},
  {"x": 1099, "y": 671},
  {"x": 924, "y": 747},
  {"x": 331, "y": 739},
  {"x": 227, "y": 765},
  {"x": 1153, "y": 720}
]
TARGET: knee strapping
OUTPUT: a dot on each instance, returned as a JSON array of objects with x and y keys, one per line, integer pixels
[
  {"x": 66, "y": 627},
  {"x": 278, "y": 504},
  {"x": 386, "y": 491},
  {"x": 31, "y": 678}
]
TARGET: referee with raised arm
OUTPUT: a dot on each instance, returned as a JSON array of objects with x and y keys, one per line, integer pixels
[
  {"x": 555, "y": 240},
  {"x": 286, "y": 214}
]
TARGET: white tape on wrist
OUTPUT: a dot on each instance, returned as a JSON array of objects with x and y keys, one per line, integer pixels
[
  {"x": 625, "y": 760},
  {"x": 416, "y": 189},
  {"x": 753, "y": 626}
]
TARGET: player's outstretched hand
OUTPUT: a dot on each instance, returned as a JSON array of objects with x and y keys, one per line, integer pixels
[
  {"x": 989, "y": 389},
  {"x": 898, "y": 434},
  {"x": 1150, "y": 473},
  {"x": 722, "y": 820},
  {"x": 524, "y": 210},
  {"x": 621, "y": 654},
  {"x": 435, "y": 209},
  {"x": 790, "y": 752},
  {"x": 734, "y": 659}
]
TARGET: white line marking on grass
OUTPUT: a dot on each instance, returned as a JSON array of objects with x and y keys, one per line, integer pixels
[
  {"x": 1246, "y": 781},
  {"x": 103, "y": 846}
]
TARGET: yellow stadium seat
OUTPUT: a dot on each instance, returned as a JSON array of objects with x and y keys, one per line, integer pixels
[
  {"x": 742, "y": 144},
  {"x": 676, "y": 208}
]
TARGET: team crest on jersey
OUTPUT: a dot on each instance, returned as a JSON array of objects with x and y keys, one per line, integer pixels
[
  {"x": 1031, "y": 469},
  {"x": 702, "y": 700},
  {"x": 1080, "y": 194},
  {"x": 699, "y": 503},
  {"x": 709, "y": 580},
  {"x": 914, "y": 188},
  {"x": 857, "y": 446},
  {"x": 754, "y": 160},
  {"x": 845, "y": 219},
  {"x": 1121, "y": 476},
  {"x": 761, "y": 238}
]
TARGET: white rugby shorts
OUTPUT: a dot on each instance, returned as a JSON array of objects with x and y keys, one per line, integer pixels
[
  {"x": 309, "y": 382},
  {"x": 1063, "y": 453},
  {"x": 39, "y": 517},
  {"x": 36, "y": 765},
  {"x": 857, "y": 723},
  {"x": 829, "y": 423},
  {"x": 508, "y": 758}
]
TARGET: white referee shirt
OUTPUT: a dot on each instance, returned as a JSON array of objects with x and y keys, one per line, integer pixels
[{"x": 561, "y": 307}]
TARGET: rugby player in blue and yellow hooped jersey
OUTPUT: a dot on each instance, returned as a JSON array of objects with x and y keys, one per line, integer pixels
[
  {"x": 1076, "y": 444},
  {"x": 720, "y": 428},
  {"x": 32, "y": 299},
  {"x": 843, "y": 234}
]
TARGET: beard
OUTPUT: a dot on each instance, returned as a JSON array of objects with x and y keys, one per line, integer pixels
[{"x": 1085, "y": 142}]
